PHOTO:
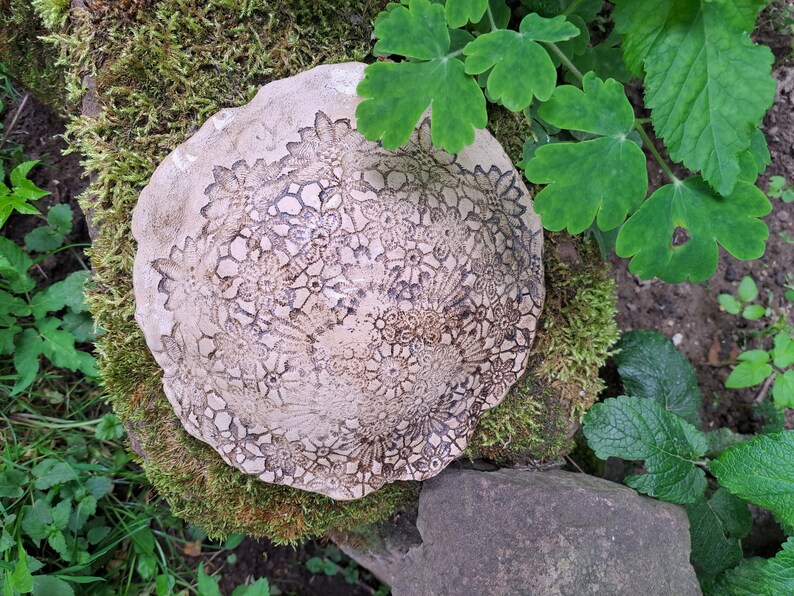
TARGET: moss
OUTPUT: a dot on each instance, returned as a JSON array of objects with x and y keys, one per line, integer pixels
[
  {"x": 159, "y": 69},
  {"x": 29, "y": 59}
]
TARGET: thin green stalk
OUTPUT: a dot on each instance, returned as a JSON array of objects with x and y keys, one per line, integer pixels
[
  {"x": 571, "y": 7},
  {"x": 564, "y": 59},
  {"x": 490, "y": 18},
  {"x": 652, "y": 148}
]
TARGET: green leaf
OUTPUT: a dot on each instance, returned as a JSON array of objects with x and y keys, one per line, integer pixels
[
  {"x": 97, "y": 534},
  {"x": 745, "y": 580},
  {"x": 207, "y": 585},
  {"x": 397, "y": 94},
  {"x": 748, "y": 290},
  {"x": 729, "y": 304},
  {"x": 14, "y": 267},
  {"x": 783, "y": 352},
  {"x": 51, "y": 472},
  {"x": 21, "y": 579},
  {"x": 80, "y": 325},
  {"x": 715, "y": 526},
  {"x": 761, "y": 471},
  {"x": 707, "y": 84},
  {"x": 12, "y": 483},
  {"x": 7, "y": 336},
  {"x": 674, "y": 234},
  {"x": 60, "y": 217},
  {"x": 753, "y": 162},
  {"x": 43, "y": 239},
  {"x": 49, "y": 585},
  {"x": 638, "y": 428},
  {"x": 26, "y": 359},
  {"x": 260, "y": 587},
  {"x": 650, "y": 366},
  {"x": 61, "y": 513},
  {"x": 147, "y": 566},
  {"x": 521, "y": 68},
  {"x": 753, "y": 369},
  {"x": 109, "y": 428},
  {"x": 722, "y": 438},
  {"x": 6, "y": 541},
  {"x": 99, "y": 486},
  {"x": 611, "y": 168},
  {"x": 68, "y": 292},
  {"x": 460, "y": 12},
  {"x": 783, "y": 389},
  {"x": 779, "y": 571},
  {"x": 753, "y": 312},
  {"x": 57, "y": 345}
]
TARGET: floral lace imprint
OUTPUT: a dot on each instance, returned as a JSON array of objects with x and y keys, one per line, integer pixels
[{"x": 347, "y": 312}]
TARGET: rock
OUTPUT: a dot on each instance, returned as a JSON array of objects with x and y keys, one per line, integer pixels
[
  {"x": 329, "y": 314},
  {"x": 540, "y": 533}
]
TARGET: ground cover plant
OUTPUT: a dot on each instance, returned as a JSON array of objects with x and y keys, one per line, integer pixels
[
  {"x": 78, "y": 515},
  {"x": 707, "y": 87},
  {"x": 714, "y": 474}
]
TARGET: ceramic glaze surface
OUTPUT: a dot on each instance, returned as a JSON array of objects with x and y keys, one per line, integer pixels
[{"x": 328, "y": 314}]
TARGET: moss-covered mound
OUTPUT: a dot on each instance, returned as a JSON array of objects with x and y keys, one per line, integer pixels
[{"x": 158, "y": 69}]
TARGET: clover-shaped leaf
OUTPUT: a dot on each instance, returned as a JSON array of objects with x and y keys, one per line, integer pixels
[
  {"x": 397, "y": 94},
  {"x": 520, "y": 68},
  {"x": 604, "y": 178},
  {"x": 674, "y": 235}
]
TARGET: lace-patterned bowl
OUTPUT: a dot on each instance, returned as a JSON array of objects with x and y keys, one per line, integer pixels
[{"x": 330, "y": 315}]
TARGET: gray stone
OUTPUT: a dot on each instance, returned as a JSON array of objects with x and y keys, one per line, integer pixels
[{"x": 518, "y": 532}]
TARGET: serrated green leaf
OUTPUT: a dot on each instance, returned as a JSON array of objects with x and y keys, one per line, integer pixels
[
  {"x": 80, "y": 325},
  {"x": 60, "y": 217},
  {"x": 761, "y": 471},
  {"x": 14, "y": 305},
  {"x": 57, "y": 542},
  {"x": 61, "y": 513},
  {"x": 745, "y": 580},
  {"x": 753, "y": 369},
  {"x": 49, "y": 585},
  {"x": 15, "y": 267},
  {"x": 715, "y": 526},
  {"x": 43, "y": 239},
  {"x": 675, "y": 233},
  {"x": 12, "y": 483},
  {"x": 109, "y": 428},
  {"x": 722, "y": 438},
  {"x": 783, "y": 389},
  {"x": 51, "y": 472},
  {"x": 779, "y": 571},
  {"x": 397, "y": 94},
  {"x": 460, "y": 12},
  {"x": 57, "y": 345},
  {"x": 28, "y": 347},
  {"x": 729, "y": 304},
  {"x": 707, "y": 84},
  {"x": 783, "y": 352},
  {"x": 99, "y": 486},
  {"x": 650, "y": 366},
  {"x": 640, "y": 428},
  {"x": 611, "y": 167},
  {"x": 36, "y": 519},
  {"x": 68, "y": 292},
  {"x": 520, "y": 68},
  {"x": 21, "y": 579}
]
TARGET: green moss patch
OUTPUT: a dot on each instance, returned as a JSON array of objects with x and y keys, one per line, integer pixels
[{"x": 159, "y": 70}]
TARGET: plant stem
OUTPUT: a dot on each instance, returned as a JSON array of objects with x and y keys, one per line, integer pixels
[
  {"x": 14, "y": 120},
  {"x": 571, "y": 7},
  {"x": 564, "y": 59},
  {"x": 490, "y": 18},
  {"x": 652, "y": 148}
]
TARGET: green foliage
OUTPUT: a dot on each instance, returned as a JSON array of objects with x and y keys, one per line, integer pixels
[
  {"x": 757, "y": 469},
  {"x": 780, "y": 189},
  {"x": 53, "y": 235},
  {"x": 610, "y": 166},
  {"x": 675, "y": 233},
  {"x": 746, "y": 293},
  {"x": 331, "y": 564},
  {"x": 650, "y": 366},
  {"x": 636, "y": 428},
  {"x": 756, "y": 366},
  {"x": 29, "y": 324},
  {"x": 706, "y": 83},
  {"x": 17, "y": 194},
  {"x": 762, "y": 472}
]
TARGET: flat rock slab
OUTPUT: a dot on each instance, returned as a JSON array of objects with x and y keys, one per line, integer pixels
[{"x": 518, "y": 532}]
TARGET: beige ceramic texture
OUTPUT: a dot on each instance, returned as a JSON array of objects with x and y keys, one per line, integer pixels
[{"x": 330, "y": 315}]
